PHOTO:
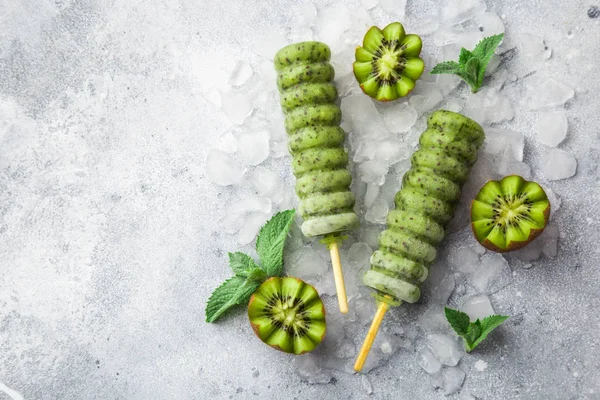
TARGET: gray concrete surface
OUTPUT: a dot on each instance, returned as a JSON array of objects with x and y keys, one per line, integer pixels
[{"x": 109, "y": 236}]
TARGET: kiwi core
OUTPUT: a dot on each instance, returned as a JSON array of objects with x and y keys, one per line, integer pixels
[{"x": 388, "y": 63}]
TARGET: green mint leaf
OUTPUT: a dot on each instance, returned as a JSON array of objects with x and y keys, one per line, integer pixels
[
  {"x": 221, "y": 299},
  {"x": 271, "y": 240},
  {"x": 464, "y": 56},
  {"x": 241, "y": 263},
  {"x": 256, "y": 274},
  {"x": 233, "y": 291},
  {"x": 487, "y": 326},
  {"x": 446, "y": 67},
  {"x": 486, "y": 48},
  {"x": 472, "y": 70},
  {"x": 459, "y": 321},
  {"x": 484, "y": 51},
  {"x": 473, "y": 333}
]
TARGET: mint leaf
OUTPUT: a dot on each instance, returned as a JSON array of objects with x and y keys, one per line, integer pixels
[
  {"x": 221, "y": 299},
  {"x": 233, "y": 291},
  {"x": 487, "y": 326},
  {"x": 459, "y": 321},
  {"x": 446, "y": 67},
  {"x": 270, "y": 242},
  {"x": 472, "y": 332},
  {"x": 241, "y": 263},
  {"x": 471, "y": 65},
  {"x": 464, "y": 56}
]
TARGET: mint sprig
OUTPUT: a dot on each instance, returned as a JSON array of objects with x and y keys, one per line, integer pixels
[
  {"x": 248, "y": 274},
  {"x": 472, "y": 332},
  {"x": 471, "y": 65}
]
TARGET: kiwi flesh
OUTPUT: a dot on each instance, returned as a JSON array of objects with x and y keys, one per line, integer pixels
[
  {"x": 388, "y": 63},
  {"x": 288, "y": 315},
  {"x": 508, "y": 214}
]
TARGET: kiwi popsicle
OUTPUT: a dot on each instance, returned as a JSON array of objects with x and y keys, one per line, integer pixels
[
  {"x": 424, "y": 206},
  {"x": 319, "y": 160}
]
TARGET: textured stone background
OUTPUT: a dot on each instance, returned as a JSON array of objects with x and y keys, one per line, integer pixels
[{"x": 109, "y": 234}]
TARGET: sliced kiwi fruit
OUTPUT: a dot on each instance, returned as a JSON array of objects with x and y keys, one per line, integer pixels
[
  {"x": 508, "y": 214},
  {"x": 388, "y": 63},
  {"x": 287, "y": 314}
]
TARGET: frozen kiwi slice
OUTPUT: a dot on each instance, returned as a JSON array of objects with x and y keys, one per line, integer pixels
[
  {"x": 508, "y": 214},
  {"x": 287, "y": 314},
  {"x": 388, "y": 63}
]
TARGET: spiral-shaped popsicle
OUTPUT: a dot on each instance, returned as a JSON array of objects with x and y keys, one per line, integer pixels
[
  {"x": 308, "y": 95},
  {"x": 424, "y": 205},
  {"x": 319, "y": 160}
]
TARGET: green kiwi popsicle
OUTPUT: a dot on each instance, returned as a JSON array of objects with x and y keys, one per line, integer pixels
[{"x": 319, "y": 160}]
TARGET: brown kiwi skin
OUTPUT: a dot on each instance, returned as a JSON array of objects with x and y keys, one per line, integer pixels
[
  {"x": 255, "y": 327},
  {"x": 534, "y": 233}
]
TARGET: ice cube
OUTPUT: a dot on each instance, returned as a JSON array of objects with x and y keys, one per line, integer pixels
[
  {"x": 453, "y": 105},
  {"x": 498, "y": 140},
  {"x": 305, "y": 366},
  {"x": 399, "y": 117},
  {"x": 377, "y": 212},
  {"x": 366, "y": 385},
  {"x": 300, "y": 31},
  {"x": 559, "y": 164},
  {"x": 386, "y": 348},
  {"x": 426, "y": 25},
  {"x": 249, "y": 204},
  {"x": 552, "y": 128},
  {"x": 534, "y": 47},
  {"x": 464, "y": 258},
  {"x": 325, "y": 285},
  {"x": 254, "y": 146},
  {"x": 445, "y": 348},
  {"x": 478, "y": 306},
  {"x": 365, "y": 310},
  {"x": 550, "y": 240},
  {"x": 442, "y": 291},
  {"x": 331, "y": 24},
  {"x": 304, "y": 262},
  {"x": 554, "y": 200},
  {"x": 369, "y": 234},
  {"x": 309, "y": 12},
  {"x": 452, "y": 379},
  {"x": 267, "y": 184},
  {"x": 360, "y": 255},
  {"x": 425, "y": 102},
  {"x": 241, "y": 73},
  {"x": 371, "y": 194},
  {"x": 222, "y": 169},
  {"x": 251, "y": 226},
  {"x": 214, "y": 97},
  {"x": 481, "y": 365},
  {"x": 270, "y": 44},
  {"x": 392, "y": 151},
  {"x": 237, "y": 107},
  {"x": 470, "y": 37},
  {"x": 507, "y": 165},
  {"x": 362, "y": 115},
  {"x": 227, "y": 143},
  {"x": 492, "y": 275},
  {"x": 428, "y": 362},
  {"x": 373, "y": 171},
  {"x": 345, "y": 349},
  {"x": 490, "y": 23},
  {"x": 434, "y": 319},
  {"x": 394, "y": 7},
  {"x": 548, "y": 93},
  {"x": 447, "y": 83},
  {"x": 488, "y": 106},
  {"x": 447, "y": 35},
  {"x": 457, "y": 11}
]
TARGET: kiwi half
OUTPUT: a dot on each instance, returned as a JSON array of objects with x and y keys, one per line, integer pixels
[
  {"x": 508, "y": 214},
  {"x": 287, "y": 314},
  {"x": 388, "y": 63}
]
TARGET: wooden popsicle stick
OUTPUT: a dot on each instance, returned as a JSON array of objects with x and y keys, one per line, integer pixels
[
  {"x": 338, "y": 275},
  {"x": 366, "y": 347}
]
